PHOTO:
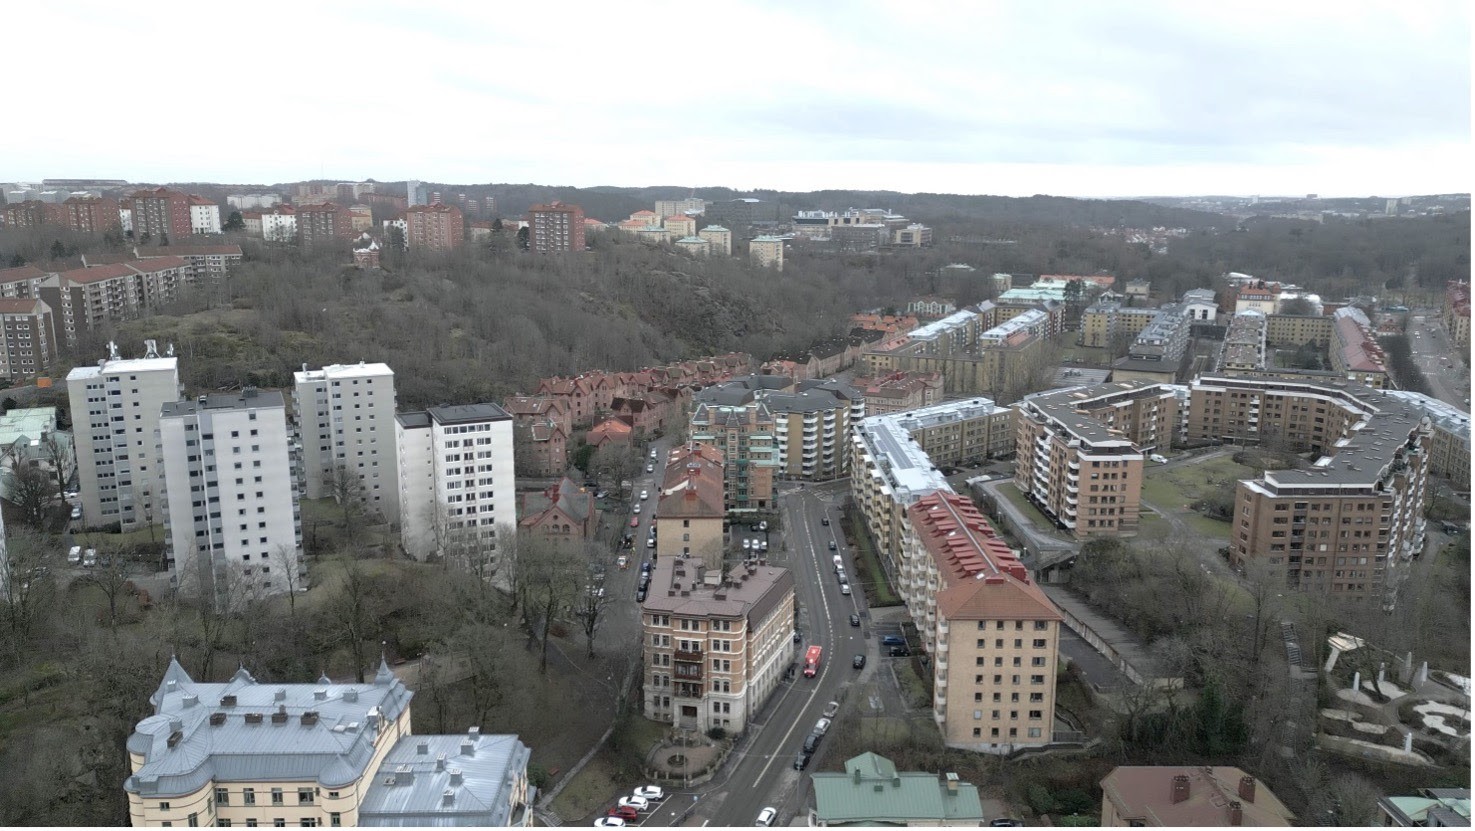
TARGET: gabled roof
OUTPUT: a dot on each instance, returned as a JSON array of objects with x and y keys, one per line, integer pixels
[{"x": 872, "y": 791}]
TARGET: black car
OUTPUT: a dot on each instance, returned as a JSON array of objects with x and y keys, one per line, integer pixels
[
  {"x": 798, "y": 636},
  {"x": 811, "y": 742},
  {"x": 801, "y": 760},
  {"x": 832, "y": 545},
  {"x": 859, "y": 662},
  {"x": 855, "y": 620},
  {"x": 900, "y": 652},
  {"x": 824, "y": 520},
  {"x": 640, "y": 595}
]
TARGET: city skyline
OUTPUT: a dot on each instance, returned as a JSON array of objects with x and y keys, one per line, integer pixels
[{"x": 1008, "y": 98}]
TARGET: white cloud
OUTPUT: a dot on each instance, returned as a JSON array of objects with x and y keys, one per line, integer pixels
[{"x": 1013, "y": 97}]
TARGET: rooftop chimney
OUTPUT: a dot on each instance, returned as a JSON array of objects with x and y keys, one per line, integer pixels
[
  {"x": 1180, "y": 789},
  {"x": 350, "y": 695},
  {"x": 1247, "y": 789},
  {"x": 952, "y": 784},
  {"x": 309, "y": 718},
  {"x": 422, "y": 748},
  {"x": 448, "y": 797},
  {"x": 228, "y": 700},
  {"x": 171, "y": 685},
  {"x": 280, "y": 695},
  {"x": 455, "y": 776},
  {"x": 280, "y": 716},
  {"x": 253, "y": 718},
  {"x": 404, "y": 776},
  {"x": 190, "y": 701},
  {"x": 217, "y": 719},
  {"x": 440, "y": 762},
  {"x": 1236, "y": 813}
]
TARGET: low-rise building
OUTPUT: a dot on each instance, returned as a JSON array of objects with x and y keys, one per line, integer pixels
[
  {"x": 872, "y": 792},
  {"x": 541, "y": 430},
  {"x": 562, "y": 514},
  {"x": 914, "y": 235},
  {"x": 898, "y": 391},
  {"x": 1258, "y": 295},
  {"x": 1244, "y": 343},
  {"x": 1188, "y": 797},
  {"x": 695, "y": 246},
  {"x": 715, "y": 644},
  {"x": 690, "y": 506},
  {"x": 247, "y": 754},
  {"x": 1431, "y": 808}
]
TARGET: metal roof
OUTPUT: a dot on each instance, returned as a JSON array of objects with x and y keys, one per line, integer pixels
[
  {"x": 872, "y": 791},
  {"x": 448, "y": 781}
]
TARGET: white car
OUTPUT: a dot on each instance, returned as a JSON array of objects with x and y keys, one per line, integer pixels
[
  {"x": 636, "y": 509},
  {"x": 822, "y": 726},
  {"x": 831, "y": 709},
  {"x": 653, "y": 455},
  {"x": 766, "y": 817},
  {"x": 845, "y": 589},
  {"x": 609, "y": 822},
  {"x": 639, "y": 803},
  {"x": 644, "y": 495},
  {"x": 74, "y": 557},
  {"x": 747, "y": 544},
  {"x": 76, "y": 512},
  {"x": 650, "y": 792},
  {"x": 650, "y": 468}
]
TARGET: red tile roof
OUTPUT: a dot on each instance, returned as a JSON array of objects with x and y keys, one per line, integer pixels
[
  {"x": 24, "y": 272},
  {"x": 157, "y": 263},
  {"x": 18, "y": 306},
  {"x": 97, "y": 274},
  {"x": 984, "y": 578}
]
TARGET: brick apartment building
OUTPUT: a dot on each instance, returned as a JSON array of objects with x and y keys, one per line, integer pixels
[
  {"x": 1456, "y": 313},
  {"x": 437, "y": 229},
  {"x": 898, "y": 391},
  {"x": 745, "y": 436},
  {"x": 161, "y": 213},
  {"x": 33, "y": 213},
  {"x": 1346, "y": 526},
  {"x": 91, "y": 214},
  {"x": 541, "y": 429},
  {"x": 80, "y": 299},
  {"x": 324, "y": 223},
  {"x": 28, "y": 348},
  {"x": 715, "y": 644},
  {"x": 562, "y": 514},
  {"x": 992, "y": 631},
  {"x": 690, "y": 506},
  {"x": 555, "y": 228},
  {"x": 1080, "y": 451},
  {"x": 1354, "y": 349}
]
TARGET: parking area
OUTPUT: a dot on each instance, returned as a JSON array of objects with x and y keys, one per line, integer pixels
[{"x": 634, "y": 810}]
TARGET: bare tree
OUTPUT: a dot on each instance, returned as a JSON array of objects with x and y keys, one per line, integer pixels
[
  {"x": 26, "y": 584},
  {"x": 590, "y": 604},
  {"x": 59, "y": 455},
  {"x": 33, "y": 491},
  {"x": 352, "y": 614},
  {"x": 347, "y": 488},
  {"x": 289, "y": 561},
  {"x": 110, "y": 576}
]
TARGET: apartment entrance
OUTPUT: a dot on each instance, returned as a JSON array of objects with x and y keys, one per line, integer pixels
[{"x": 688, "y": 718}]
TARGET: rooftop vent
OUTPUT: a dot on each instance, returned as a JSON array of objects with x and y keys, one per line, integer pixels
[
  {"x": 422, "y": 748},
  {"x": 320, "y": 694},
  {"x": 440, "y": 762},
  {"x": 280, "y": 716},
  {"x": 228, "y": 701},
  {"x": 448, "y": 797},
  {"x": 253, "y": 718},
  {"x": 456, "y": 777},
  {"x": 280, "y": 694},
  {"x": 309, "y": 718},
  {"x": 191, "y": 700},
  {"x": 403, "y": 775},
  {"x": 350, "y": 695},
  {"x": 217, "y": 719},
  {"x": 175, "y": 738}
]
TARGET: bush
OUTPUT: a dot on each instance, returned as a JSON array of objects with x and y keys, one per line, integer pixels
[
  {"x": 717, "y": 734},
  {"x": 538, "y": 776}
]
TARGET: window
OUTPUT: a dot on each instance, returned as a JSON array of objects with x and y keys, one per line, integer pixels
[
  {"x": 222, "y": 823},
  {"x": 250, "y": 823},
  {"x": 304, "y": 795},
  {"x": 276, "y": 796},
  {"x": 194, "y": 820},
  {"x": 163, "y": 806},
  {"x": 335, "y": 819},
  {"x": 310, "y": 822},
  {"x": 248, "y": 796},
  {"x": 279, "y": 823}
]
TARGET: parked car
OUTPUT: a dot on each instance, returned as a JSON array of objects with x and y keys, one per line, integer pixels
[
  {"x": 76, "y": 512},
  {"x": 763, "y": 526},
  {"x": 747, "y": 544},
  {"x": 832, "y": 545},
  {"x": 74, "y": 556},
  {"x": 893, "y": 640},
  {"x": 822, "y": 726},
  {"x": 645, "y": 567},
  {"x": 89, "y": 558},
  {"x": 766, "y": 817},
  {"x": 763, "y": 545},
  {"x": 650, "y": 468},
  {"x": 859, "y": 662},
  {"x": 899, "y": 652},
  {"x": 831, "y": 709},
  {"x": 855, "y": 620},
  {"x": 626, "y": 814},
  {"x": 650, "y": 542},
  {"x": 622, "y": 561},
  {"x": 798, "y": 636},
  {"x": 811, "y": 742},
  {"x": 839, "y": 563},
  {"x": 640, "y": 595},
  {"x": 653, "y": 455},
  {"x": 845, "y": 589},
  {"x": 639, "y": 803},
  {"x": 1005, "y": 822},
  {"x": 635, "y": 521},
  {"x": 644, "y": 495},
  {"x": 609, "y": 822},
  {"x": 824, "y": 520},
  {"x": 653, "y": 793},
  {"x": 801, "y": 760}
]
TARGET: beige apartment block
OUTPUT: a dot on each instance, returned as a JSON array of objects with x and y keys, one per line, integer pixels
[
  {"x": 690, "y": 505},
  {"x": 767, "y": 252},
  {"x": 745, "y": 436},
  {"x": 1289, "y": 331},
  {"x": 715, "y": 644},
  {"x": 718, "y": 238}
]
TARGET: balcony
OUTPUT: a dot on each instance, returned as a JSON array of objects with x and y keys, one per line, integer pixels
[{"x": 690, "y": 656}]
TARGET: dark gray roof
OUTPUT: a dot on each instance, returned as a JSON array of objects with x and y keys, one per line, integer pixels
[
  {"x": 1065, "y": 407},
  {"x": 467, "y": 413},
  {"x": 467, "y": 780},
  {"x": 419, "y": 418},
  {"x": 243, "y": 400}
]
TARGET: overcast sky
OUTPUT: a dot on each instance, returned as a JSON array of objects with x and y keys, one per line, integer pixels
[{"x": 1014, "y": 97}]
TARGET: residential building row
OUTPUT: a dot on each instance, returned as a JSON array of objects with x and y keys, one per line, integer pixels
[
  {"x": 824, "y": 357},
  {"x": 1456, "y": 313},
  {"x": 1354, "y": 350},
  {"x": 899, "y": 391},
  {"x": 990, "y": 349},
  {"x": 1158, "y": 350},
  {"x": 555, "y": 228},
  {"x": 809, "y": 420},
  {"x": 1245, "y": 347},
  {"x": 247, "y": 754}
]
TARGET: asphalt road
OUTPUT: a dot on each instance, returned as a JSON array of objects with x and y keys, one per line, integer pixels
[
  {"x": 1432, "y": 351},
  {"x": 761, "y": 772}
]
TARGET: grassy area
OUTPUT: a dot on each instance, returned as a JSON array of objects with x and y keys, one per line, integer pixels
[
  {"x": 588, "y": 791},
  {"x": 1180, "y": 487},
  {"x": 1153, "y": 527},
  {"x": 1207, "y": 526},
  {"x": 1071, "y": 351},
  {"x": 872, "y": 577},
  {"x": 127, "y": 539},
  {"x": 918, "y": 693},
  {"x": 1034, "y": 515}
]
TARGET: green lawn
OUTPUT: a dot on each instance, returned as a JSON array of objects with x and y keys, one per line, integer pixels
[
  {"x": 1034, "y": 515},
  {"x": 1180, "y": 487},
  {"x": 1153, "y": 527},
  {"x": 868, "y": 566}
]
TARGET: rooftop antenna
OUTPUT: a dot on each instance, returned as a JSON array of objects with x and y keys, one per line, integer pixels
[
  {"x": 112, "y": 350},
  {"x": 169, "y": 350},
  {"x": 151, "y": 349}
]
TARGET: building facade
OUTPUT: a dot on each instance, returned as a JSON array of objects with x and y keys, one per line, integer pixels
[
  {"x": 810, "y": 419},
  {"x": 1188, "y": 797},
  {"x": 1080, "y": 451},
  {"x": 438, "y": 229},
  {"x": 246, "y": 754},
  {"x": 457, "y": 486},
  {"x": 115, "y": 410},
  {"x": 28, "y": 348},
  {"x": 690, "y": 506},
  {"x": 767, "y": 252},
  {"x": 204, "y": 216},
  {"x": 555, "y": 228},
  {"x": 161, "y": 213},
  {"x": 719, "y": 240},
  {"x": 715, "y": 644},
  {"x": 745, "y": 436},
  {"x": 344, "y": 415},
  {"x": 229, "y": 497}
]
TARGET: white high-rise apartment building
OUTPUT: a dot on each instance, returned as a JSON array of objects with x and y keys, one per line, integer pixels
[
  {"x": 115, "y": 415},
  {"x": 455, "y": 475},
  {"x": 230, "y": 496},
  {"x": 345, "y": 416}
]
